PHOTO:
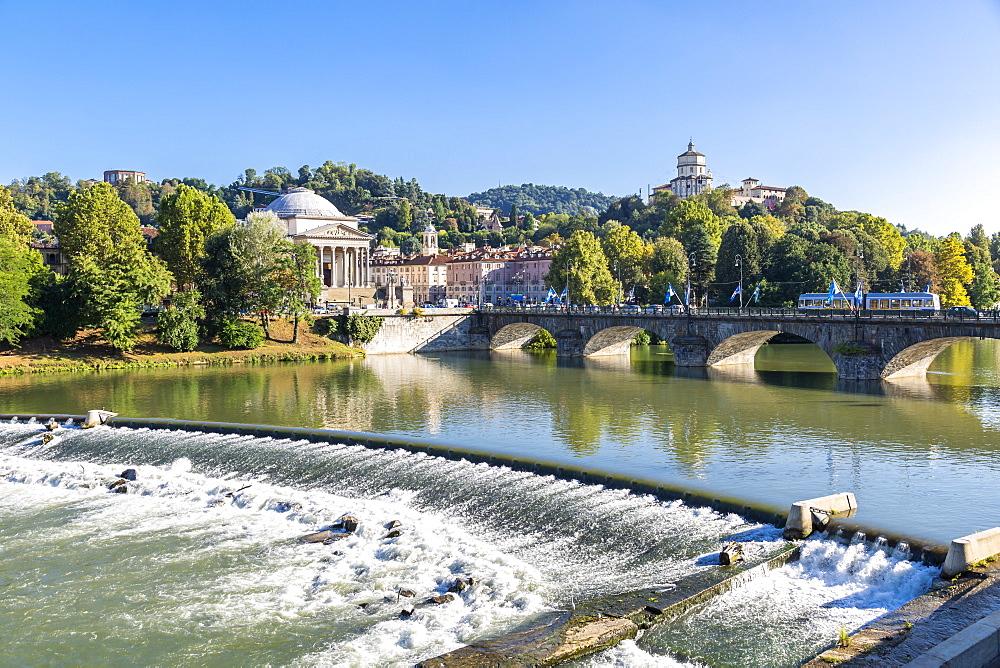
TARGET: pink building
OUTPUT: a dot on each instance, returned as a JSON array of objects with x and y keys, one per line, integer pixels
[{"x": 490, "y": 275}]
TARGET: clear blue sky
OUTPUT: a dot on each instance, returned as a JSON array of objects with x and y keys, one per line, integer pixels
[{"x": 891, "y": 107}]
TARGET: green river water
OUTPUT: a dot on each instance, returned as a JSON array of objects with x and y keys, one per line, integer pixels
[{"x": 178, "y": 573}]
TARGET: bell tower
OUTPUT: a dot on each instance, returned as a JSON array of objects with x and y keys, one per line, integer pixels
[{"x": 430, "y": 240}]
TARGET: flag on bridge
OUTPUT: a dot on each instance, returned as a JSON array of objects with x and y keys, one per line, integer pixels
[
  {"x": 756, "y": 294},
  {"x": 928, "y": 288},
  {"x": 833, "y": 291},
  {"x": 687, "y": 295},
  {"x": 565, "y": 292},
  {"x": 859, "y": 294},
  {"x": 670, "y": 294},
  {"x": 737, "y": 291},
  {"x": 631, "y": 294},
  {"x": 551, "y": 296},
  {"x": 901, "y": 288}
]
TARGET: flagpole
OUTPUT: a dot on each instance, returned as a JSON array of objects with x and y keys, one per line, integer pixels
[{"x": 739, "y": 265}]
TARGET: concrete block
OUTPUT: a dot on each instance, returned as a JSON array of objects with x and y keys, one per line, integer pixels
[
  {"x": 977, "y": 645},
  {"x": 968, "y": 550},
  {"x": 800, "y": 516}
]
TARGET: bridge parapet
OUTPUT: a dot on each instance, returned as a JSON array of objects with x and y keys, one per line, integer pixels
[{"x": 868, "y": 348}]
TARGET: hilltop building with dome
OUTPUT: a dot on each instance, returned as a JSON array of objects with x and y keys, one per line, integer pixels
[
  {"x": 694, "y": 177},
  {"x": 344, "y": 256}
]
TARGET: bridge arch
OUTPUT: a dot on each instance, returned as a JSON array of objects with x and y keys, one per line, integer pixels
[
  {"x": 615, "y": 340},
  {"x": 742, "y": 348},
  {"x": 914, "y": 360},
  {"x": 514, "y": 335}
]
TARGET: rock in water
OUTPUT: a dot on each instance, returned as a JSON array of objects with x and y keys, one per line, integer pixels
[
  {"x": 128, "y": 474},
  {"x": 317, "y": 537},
  {"x": 350, "y": 523},
  {"x": 443, "y": 598},
  {"x": 393, "y": 524},
  {"x": 395, "y": 533},
  {"x": 47, "y": 437},
  {"x": 730, "y": 554},
  {"x": 408, "y": 593},
  {"x": 461, "y": 584}
]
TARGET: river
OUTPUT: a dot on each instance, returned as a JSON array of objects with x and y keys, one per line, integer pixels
[{"x": 178, "y": 572}]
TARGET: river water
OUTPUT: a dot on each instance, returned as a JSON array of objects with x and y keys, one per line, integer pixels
[{"x": 176, "y": 572}]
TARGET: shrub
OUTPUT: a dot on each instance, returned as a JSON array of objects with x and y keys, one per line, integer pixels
[
  {"x": 641, "y": 339},
  {"x": 402, "y": 311},
  {"x": 417, "y": 312},
  {"x": 177, "y": 330},
  {"x": 362, "y": 328},
  {"x": 177, "y": 327},
  {"x": 541, "y": 340},
  {"x": 240, "y": 334}
]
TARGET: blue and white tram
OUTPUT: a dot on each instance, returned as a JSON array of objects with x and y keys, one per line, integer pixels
[{"x": 873, "y": 301}]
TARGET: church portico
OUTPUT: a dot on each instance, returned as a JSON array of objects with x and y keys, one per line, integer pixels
[{"x": 342, "y": 250}]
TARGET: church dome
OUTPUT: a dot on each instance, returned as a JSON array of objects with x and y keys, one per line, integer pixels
[{"x": 303, "y": 202}]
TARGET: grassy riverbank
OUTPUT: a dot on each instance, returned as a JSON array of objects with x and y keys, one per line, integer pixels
[{"x": 88, "y": 352}]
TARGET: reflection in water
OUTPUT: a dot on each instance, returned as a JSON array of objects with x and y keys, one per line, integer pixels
[{"x": 912, "y": 449}]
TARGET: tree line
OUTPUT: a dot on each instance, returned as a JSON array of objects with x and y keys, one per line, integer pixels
[
  {"x": 801, "y": 246},
  {"x": 218, "y": 271}
]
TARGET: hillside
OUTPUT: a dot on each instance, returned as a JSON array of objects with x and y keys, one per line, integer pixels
[{"x": 542, "y": 199}]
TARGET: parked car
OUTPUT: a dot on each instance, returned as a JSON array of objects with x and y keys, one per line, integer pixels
[
  {"x": 319, "y": 310},
  {"x": 962, "y": 312}
]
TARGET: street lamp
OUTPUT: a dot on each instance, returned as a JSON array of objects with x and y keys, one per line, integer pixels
[
  {"x": 569, "y": 273},
  {"x": 739, "y": 265},
  {"x": 621, "y": 288},
  {"x": 517, "y": 279}
]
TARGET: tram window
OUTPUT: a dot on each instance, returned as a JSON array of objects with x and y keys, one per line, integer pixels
[
  {"x": 905, "y": 304},
  {"x": 893, "y": 303}
]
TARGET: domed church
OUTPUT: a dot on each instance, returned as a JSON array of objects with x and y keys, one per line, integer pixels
[{"x": 343, "y": 250}]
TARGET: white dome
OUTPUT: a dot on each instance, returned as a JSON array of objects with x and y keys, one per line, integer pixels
[{"x": 303, "y": 202}]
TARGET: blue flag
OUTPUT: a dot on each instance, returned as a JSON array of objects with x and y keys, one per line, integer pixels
[
  {"x": 670, "y": 294},
  {"x": 756, "y": 294},
  {"x": 833, "y": 291},
  {"x": 928, "y": 288},
  {"x": 737, "y": 291},
  {"x": 859, "y": 294},
  {"x": 631, "y": 294},
  {"x": 687, "y": 295},
  {"x": 565, "y": 292},
  {"x": 550, "y": 296},
  {"x": 901, "y": 288}
]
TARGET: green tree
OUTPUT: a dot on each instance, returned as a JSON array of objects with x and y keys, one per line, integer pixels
[
  {"x": 580, "y": 264},
  {"x": 19, "y": 265},
  {"x": 627, "y": 255},
  {"x": 741, "y": 239},
  {"x": 411, "y": 246},
  {"x": 690, "y": 214},
  {"x": 955, "y": 273},
  {"x": 513, "y": 215},
  {"x": 295, "y": 273},
  {"x": 703, "y": 254},
  {"x": 187, "y": 218},
  {"x": 239, "y": 263},
  {"x": 984, "y": 291},
  {"x": 110, "y": 271},
  {"x": 177, "y": 327},
  {"x": 921, "y": 271}
]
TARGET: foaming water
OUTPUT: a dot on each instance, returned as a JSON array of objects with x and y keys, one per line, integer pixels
[
  {"x": 796, "y": 610},
  {"x": 199, "y": 561}
]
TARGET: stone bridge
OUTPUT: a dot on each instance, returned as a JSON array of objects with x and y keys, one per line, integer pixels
[{"x": 863, "y": 349}]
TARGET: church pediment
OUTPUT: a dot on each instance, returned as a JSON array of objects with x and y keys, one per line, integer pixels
[{"x": 336, "y": 231}]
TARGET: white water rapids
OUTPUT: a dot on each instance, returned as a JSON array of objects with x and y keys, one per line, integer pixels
[{"x": 188, "y": 568}]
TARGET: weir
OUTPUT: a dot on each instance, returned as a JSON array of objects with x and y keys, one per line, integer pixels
[
  {"x": 588, "y": 610},
  {"x": 922, "y": 550}
]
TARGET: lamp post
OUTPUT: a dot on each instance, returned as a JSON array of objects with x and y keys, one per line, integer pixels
[
  {"x": 621, "y": 289},
  {"x": 517, "y": 279},
  {"x": 739, "y": 265},
  {"x": 569, "y": 273},
  {"x": 687, "y": 293}
]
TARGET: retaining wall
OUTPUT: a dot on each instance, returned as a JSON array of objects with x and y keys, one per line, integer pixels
[{"x": 435, "y": 331}]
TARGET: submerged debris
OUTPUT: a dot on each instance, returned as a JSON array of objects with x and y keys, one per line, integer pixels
[{"x": 730, "y": 554}]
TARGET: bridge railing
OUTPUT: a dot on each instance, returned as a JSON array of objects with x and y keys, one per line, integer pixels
[{"x": 748, "y": 311}]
